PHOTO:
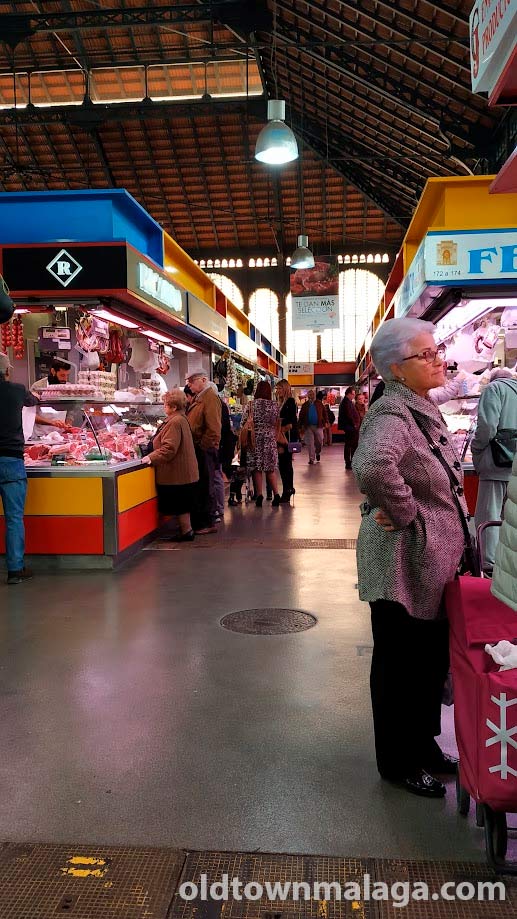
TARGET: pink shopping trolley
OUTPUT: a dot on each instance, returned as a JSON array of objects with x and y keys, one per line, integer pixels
[{"x": 485, "y": 711}]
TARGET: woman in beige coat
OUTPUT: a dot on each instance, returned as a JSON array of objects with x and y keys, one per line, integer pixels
[{"x": 174, "y": 459}]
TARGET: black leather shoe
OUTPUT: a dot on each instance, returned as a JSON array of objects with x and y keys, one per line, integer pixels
[
  {"x": 420, "y": 783},
  {"x": 442, "y": 764}
]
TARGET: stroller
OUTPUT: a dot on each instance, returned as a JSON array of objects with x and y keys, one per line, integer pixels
[
  {"x": 240, "y": 477},
  {"x": 485, "y": 710}
]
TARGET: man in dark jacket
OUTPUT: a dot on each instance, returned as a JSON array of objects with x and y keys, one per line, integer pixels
[
  {"x": 13, "y": 478},
  {"x": 349, "y": 422},
  {"x": 311, "y": 422}
]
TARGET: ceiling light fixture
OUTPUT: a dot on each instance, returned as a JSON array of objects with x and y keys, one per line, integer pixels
[
  {"x": 302, "y": 256},
  {"x": 276, "y": 143}
]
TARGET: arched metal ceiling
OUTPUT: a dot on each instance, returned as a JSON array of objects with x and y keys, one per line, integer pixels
[{"x": 378, "y": 91}]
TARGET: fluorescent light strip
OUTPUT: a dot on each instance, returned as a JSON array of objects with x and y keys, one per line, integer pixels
[
  {"x": 157, "y": 336},
  {"x": 112, "y": 317},
  {"x": 461, "y": 316},
  {"x": 181, "y": 347}
]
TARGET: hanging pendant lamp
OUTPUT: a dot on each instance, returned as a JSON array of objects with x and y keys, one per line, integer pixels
[
  {"x": 276, "y": 143},
  {"x": 302, "y": 256}
]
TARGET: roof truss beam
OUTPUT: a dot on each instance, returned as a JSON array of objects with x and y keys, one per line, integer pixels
[{"x": 17, "y": 27}]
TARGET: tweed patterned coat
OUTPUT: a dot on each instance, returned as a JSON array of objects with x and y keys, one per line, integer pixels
[{"x": 397, "y": 472}]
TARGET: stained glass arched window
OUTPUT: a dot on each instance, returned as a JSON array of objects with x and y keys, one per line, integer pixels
[
  {"x": 229, "y": 289},
  {"x": 264, "y": 314}
]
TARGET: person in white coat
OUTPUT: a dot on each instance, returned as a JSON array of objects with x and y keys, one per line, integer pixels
[{"x": 497, "y": 411}]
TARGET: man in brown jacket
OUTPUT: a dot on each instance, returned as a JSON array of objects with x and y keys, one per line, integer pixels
[{"x": 204, "y": 417}]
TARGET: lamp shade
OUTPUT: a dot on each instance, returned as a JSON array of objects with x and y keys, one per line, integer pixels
[
  {"x": 276, "y": 143},
  {"x": 302, "y": 257}
]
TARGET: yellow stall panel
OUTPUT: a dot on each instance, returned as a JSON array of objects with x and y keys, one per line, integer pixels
[
  {"x": 63, "y": 497},
  {"x": 135, "y": 488}
]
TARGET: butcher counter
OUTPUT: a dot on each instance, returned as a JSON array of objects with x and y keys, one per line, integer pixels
[{"x": 80, "y": 517}]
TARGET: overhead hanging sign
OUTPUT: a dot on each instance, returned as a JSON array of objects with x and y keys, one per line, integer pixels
[
  {"x": 493, "y": 31},
  {"x": 315, "y": 296}
]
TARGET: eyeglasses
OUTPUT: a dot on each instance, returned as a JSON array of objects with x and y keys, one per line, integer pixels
[{"x": 428, "y": 355}]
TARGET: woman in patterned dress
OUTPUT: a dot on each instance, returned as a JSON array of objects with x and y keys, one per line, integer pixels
[
  {"x": 410, "y": 544},
  {"x": 263, "y": 456}
]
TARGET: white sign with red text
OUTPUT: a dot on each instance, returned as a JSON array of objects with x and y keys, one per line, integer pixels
[{"x": 493, "y": 37}]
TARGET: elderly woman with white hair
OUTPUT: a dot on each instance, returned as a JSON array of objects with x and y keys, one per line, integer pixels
[
  {"x": 411, "y": 541},
  {"x": 174, "y": 459}
]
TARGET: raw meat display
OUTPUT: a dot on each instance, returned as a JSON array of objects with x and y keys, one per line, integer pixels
[{"x": 79, "y": 446}]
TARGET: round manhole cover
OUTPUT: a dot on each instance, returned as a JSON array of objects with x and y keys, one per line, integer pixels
[{"x": 268, "y": 621}]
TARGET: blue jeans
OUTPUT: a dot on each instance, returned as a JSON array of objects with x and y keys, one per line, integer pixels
[{"x": 13, "y": 491}]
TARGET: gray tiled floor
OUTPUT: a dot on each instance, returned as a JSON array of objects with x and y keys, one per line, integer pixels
[{"x": 130, "y": 716}]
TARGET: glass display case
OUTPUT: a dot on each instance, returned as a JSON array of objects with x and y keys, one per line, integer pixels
[
  {"x": 91, "y": 503},
  {"x": 90, "y": 432},
  {"x": 460, "y": 415}
]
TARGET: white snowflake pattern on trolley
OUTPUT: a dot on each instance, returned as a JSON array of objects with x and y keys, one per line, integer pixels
[{"x": 502, "y": 735}]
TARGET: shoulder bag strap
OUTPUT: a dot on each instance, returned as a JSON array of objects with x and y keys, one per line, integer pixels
[{"x": 456, "y": 488}]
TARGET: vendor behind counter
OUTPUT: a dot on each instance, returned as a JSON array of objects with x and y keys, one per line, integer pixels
[{"x": 59, "y": 373}]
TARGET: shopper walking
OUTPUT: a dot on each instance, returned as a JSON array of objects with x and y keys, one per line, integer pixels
[
  {"x": 311, "y": 422},
  {"x": 361, "y": 404},
  {"x": 289, "y": 430},
  {"x": 13, "y": 478},
  {"x": 174, "y": 459},
  {"x": 261, "y": 420},
  {"x": 327, "y": 433},
  {"x": 497, "y": 415},
  {"x": 204, "y": 418},
  {"x": 349, "y": 422},
  {"x": 410, "y": 544}
]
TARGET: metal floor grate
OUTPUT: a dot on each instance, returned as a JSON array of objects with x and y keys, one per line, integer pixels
[
  {"x": 91, "y": 882},
  {"x": 313, "y": 869},
  {"x": 246, "y": 542},
  {"x": 87, "y": 882}
]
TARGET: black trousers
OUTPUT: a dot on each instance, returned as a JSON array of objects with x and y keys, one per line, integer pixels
[
  {"x": 409, "y": 669},
  {"x": 201, "y": 513},
  {"x": 285, "y": 466},
  {"x": 351, "y": 441}
]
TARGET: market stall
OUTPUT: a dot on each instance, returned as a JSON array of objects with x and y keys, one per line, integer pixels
[{"x": 460, "y": 261}]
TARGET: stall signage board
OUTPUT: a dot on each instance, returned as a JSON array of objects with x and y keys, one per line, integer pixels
[
  {"x": 300, "y": 369},
  {"x": 207, "y": 320},
  {"x": 151, "y": 284},
  {"x": 413, "y": 284},
  {"x": 484, "y": 255},
  {"x": 31, "y": 269},
  {"x": 446, "y": 259},
  {"x": 315, "y": 296},
  {"x": 493, "y": 30}
]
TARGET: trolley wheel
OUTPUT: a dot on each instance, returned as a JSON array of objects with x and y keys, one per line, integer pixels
[
  {"x": 480, "y": 816},
  {"x": 462, "y": 798},
  {"x": 496, "y": 836}
]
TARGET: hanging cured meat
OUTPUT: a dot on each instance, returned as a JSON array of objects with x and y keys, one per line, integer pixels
[
  {"x": 115, "y": 352},
  {"x": 17, "y": 336}
]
